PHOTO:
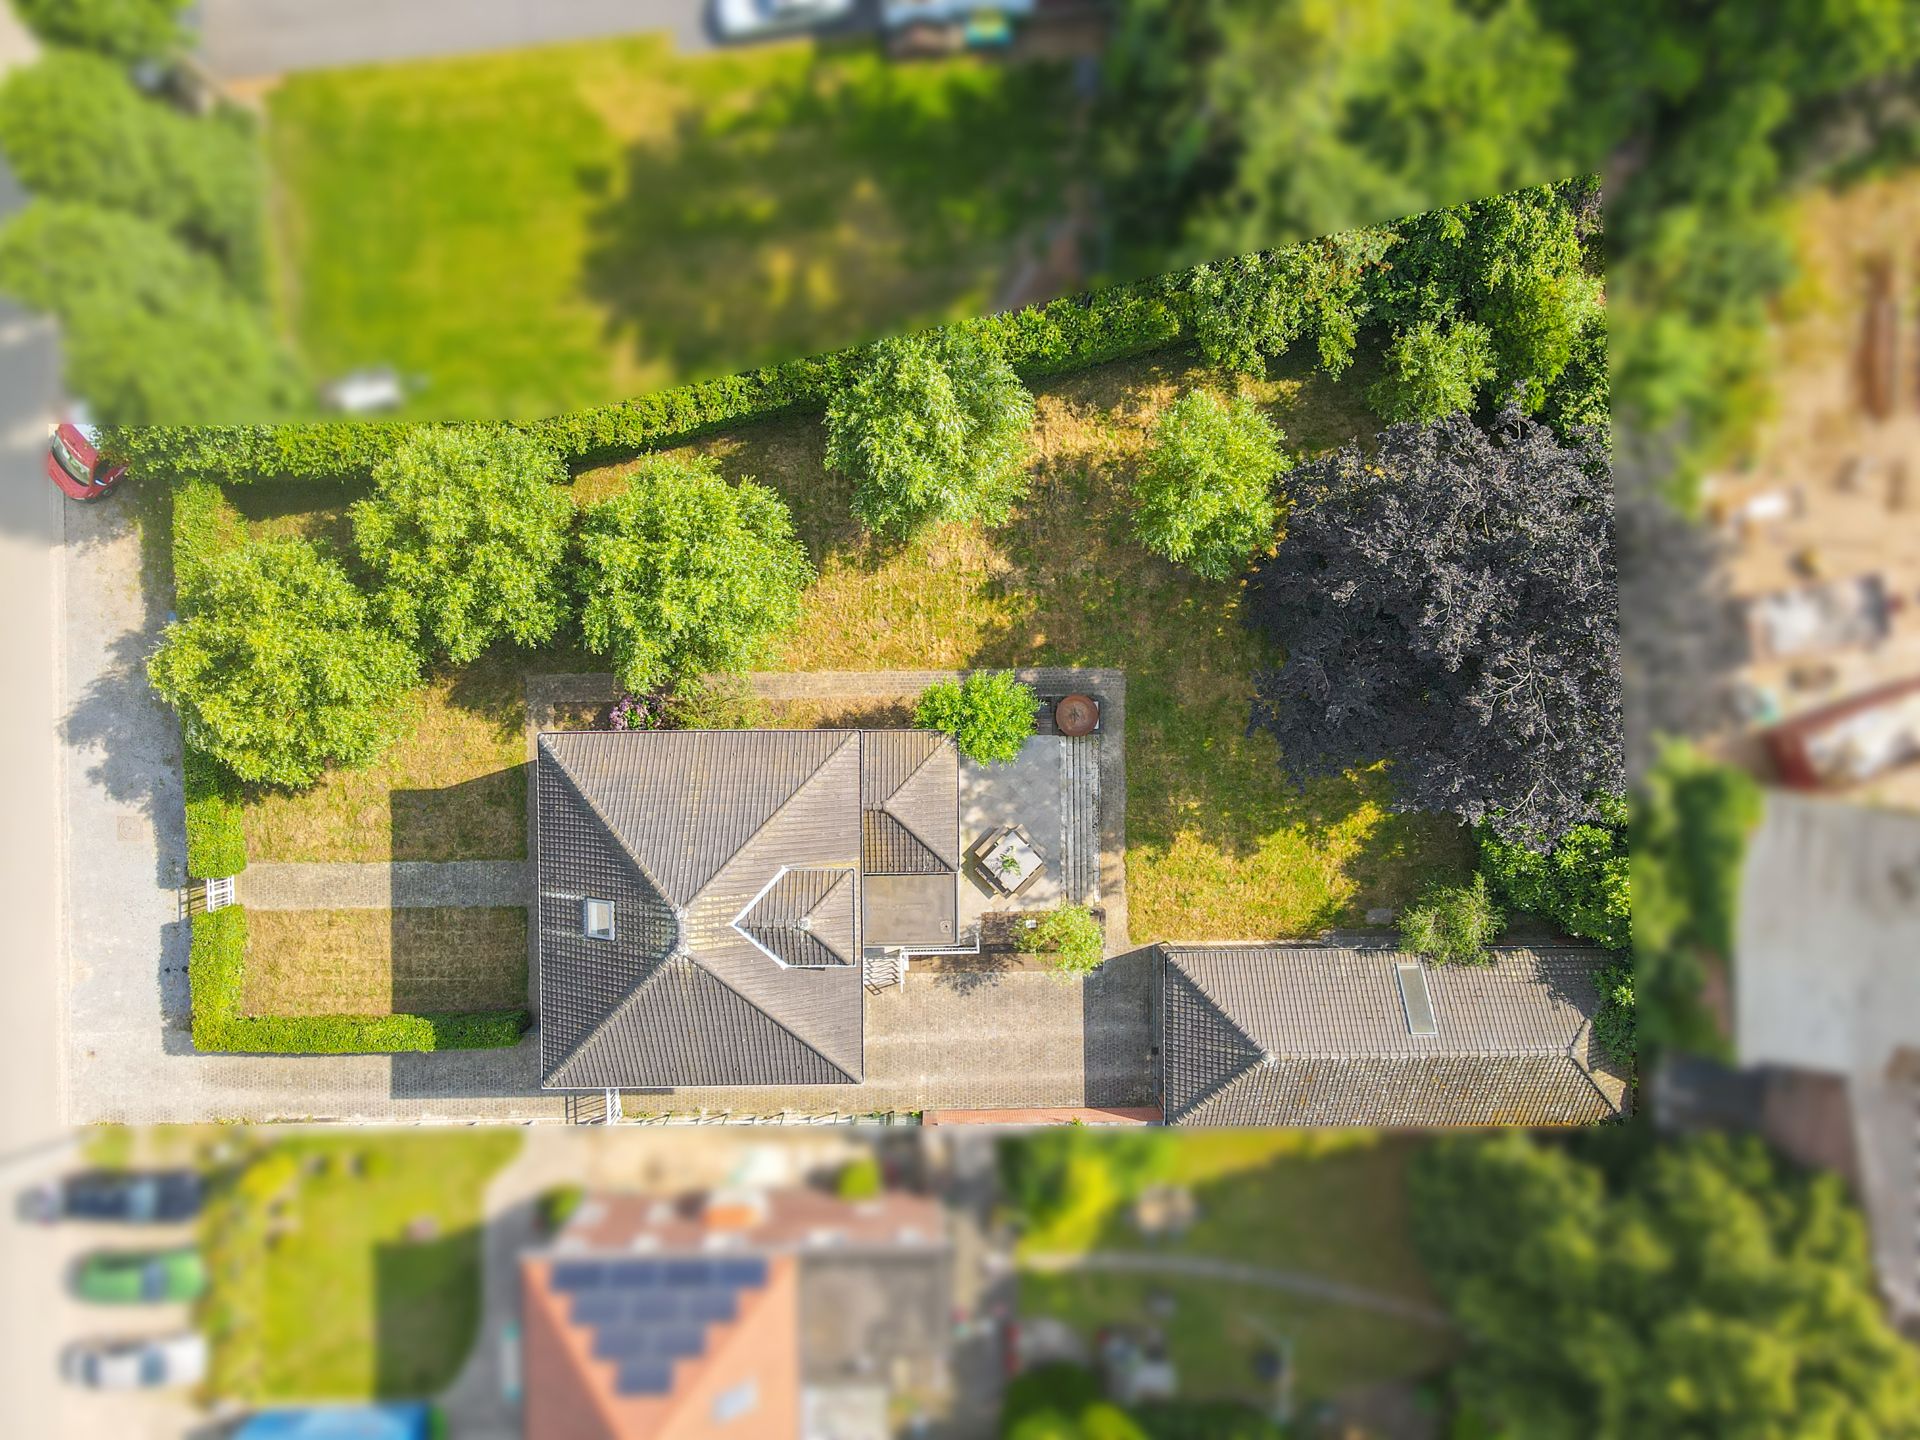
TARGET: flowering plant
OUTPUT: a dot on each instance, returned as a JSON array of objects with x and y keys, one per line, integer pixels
[{"x": 638, "y": 712}]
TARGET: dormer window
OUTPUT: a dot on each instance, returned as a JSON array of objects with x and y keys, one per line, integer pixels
[{"x": 596, "y": 919}]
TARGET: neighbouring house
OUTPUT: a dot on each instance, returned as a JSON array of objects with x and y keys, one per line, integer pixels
[
  {"x": 772, "y": 1314},
  {"x": 707, "y": 898},
  {"x": 1313, "y": 1035}
]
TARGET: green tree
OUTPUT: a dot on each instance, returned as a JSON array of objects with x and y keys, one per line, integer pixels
[
  {"x": 1071, "y": 939},
  {"x": 152, "y": 333},
  {"x": 990, "y": 714},
  {"x": 281, "y": 670},
  {"x": 1580, "y": 884},
  {"x": 1694, "y": 1288},
  {"x": 75, "y": 128},
  {"x": 1204, "y": 496},
  {"x": 1453, "y": 924},
  {"x": 1432, "y": 370},
  {"x": 1690, "y": 821},
  {"x": 682, "y": 573},
  {"x": 1248, "y": 311},
  {"x": 932, "y": 429},
  {"x": 128, "y": 30},
  {"x": 466, "y": 531}
]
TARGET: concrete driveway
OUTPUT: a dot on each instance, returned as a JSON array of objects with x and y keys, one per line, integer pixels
[{"x": 254, "y": 39}]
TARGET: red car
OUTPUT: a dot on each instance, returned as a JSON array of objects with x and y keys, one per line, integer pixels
[{"x": 74, "y": 464}]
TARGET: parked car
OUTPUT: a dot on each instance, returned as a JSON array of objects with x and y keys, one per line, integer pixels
[
  {"x": 133, "y": 1197},
  {"x": 133, "y": 1277},
  {"x": 73, "y": 462},
  {"x": 370, "y": 391},
  {"x": 137, "y": 1364},
  {"x": 751, "y": 19}
]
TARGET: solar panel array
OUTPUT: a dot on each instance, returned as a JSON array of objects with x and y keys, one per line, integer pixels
[{"x": 647, "y": 1314}]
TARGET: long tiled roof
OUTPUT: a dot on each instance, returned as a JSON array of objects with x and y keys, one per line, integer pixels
[
  {"x": 1318, "y": 1035},
  {"x": 686, "y": 832}
]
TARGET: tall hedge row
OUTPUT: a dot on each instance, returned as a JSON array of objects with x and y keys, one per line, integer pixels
[
  {"x": 216, "y": 971},
  {"x": 1040, "y": 340}
]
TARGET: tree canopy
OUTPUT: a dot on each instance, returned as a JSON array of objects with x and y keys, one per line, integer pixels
[
  {"x": 682, "y": 573},
  {"x": 152, "y": 333},
  {"x": 74, "y": 128},
  {"x": 282, "y": 670},
  {"x": 128, "y": 30},
  {"x": 990, "y": 714},
  {"x": 1204, "y": 496},
  {"x": 466, "y": 531},
  {"x": 931, "y": 429},
  {"x": 1448, "y": 601},
  {"x": 1692, "y": 1288}
]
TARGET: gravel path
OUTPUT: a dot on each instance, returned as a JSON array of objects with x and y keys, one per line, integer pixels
[
  {"x": 1235, "y": 1272},
  {"x": 405, "y": 885}
]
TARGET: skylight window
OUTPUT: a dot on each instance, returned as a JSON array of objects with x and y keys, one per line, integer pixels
[
  {"x": 596, "y": 919},
  {"x": 1416, "y": 1001}
]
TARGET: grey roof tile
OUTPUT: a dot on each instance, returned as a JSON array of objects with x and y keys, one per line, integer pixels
[
  {"x": 687, "y": 829},
  {"x": 909, "y": 782},
  {"x": 1312, "y": 1035},
  {"x": 806, "y": 918}
]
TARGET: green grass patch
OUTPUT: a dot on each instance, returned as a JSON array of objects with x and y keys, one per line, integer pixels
[
  {"x": 548, "y": 228},
  {"x": 1331, "y": 1205},
  {"x": 348, "y": 1267},
  {"x": 217, "y": 975}
]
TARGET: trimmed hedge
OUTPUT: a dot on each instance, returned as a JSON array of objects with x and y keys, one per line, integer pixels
[
  {"x": 216, "y": 969},
  {"x": 216, "y": 841},
  {"x": 1040, "y": 340}
]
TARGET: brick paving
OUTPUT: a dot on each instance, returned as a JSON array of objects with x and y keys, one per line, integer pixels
[{"x": 404, "y": 885}]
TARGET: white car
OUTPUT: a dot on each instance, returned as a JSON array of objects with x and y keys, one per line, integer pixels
[
  {"x": 746, "y": 19},
  {"x": 137, "y": 1364}
]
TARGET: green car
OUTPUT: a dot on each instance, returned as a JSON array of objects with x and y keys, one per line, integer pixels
[{"x": 142, "y": 1276}]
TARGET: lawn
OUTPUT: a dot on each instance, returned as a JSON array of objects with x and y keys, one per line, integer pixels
[
  {"x": 538, "y": 230},
  {"x": 1327, "y": 1204},
  {"x": 348, "y": 1266},
  {"x": 380, "y": 962},
  {"x": 1219, "y": 844}
]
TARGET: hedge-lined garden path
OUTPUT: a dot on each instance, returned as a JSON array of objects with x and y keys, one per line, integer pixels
[{"x": 403, "y": 885}]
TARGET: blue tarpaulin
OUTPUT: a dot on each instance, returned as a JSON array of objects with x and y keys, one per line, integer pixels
[{"x": 339, "y": 1422}]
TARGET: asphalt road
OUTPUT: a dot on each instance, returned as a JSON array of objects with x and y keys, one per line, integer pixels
[{"x": 254, "y": 39}]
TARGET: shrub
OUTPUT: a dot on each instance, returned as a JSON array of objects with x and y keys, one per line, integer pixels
[
  {"x": 714, "y": 702},
  {"x": 932, "y": 429},
  {"x": 216, "y": 841},
  {"x": 1072, "y": 939},
  {"x": 1453, "y": 924},
  {"x": 859, "y": 1179},
  {"x": 682, "y": 573},
  {"x": 151, "y": 332},
  {"x": 280, "y": 672},
  {"x": 466, "y": 531},
  {"x": 990, "y": 714},
  {"x": 216, "y": 971},
  {"x": 1432, "y": 370},
  {"x": 557, "y": 1206},
  {"x": 1616, "y": 1025},
  {"x": 1204, "y": 497},
  {"x": 638, "y": 712},
  {"x": 75, "y": 128},
  {"x": 1580, "y": 884},
  {"x": 125, "y": 29}
]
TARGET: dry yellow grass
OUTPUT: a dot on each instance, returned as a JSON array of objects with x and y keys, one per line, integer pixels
[
  {"x": 379, "y": 962},
  {"x": 1220, "y": 845}
]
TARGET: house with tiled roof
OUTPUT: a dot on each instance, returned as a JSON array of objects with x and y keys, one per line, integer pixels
[
  {"x": 758, "y": 1315},
  {"x": 1321, "y": 1035},
  {"x": 706, "y": 898}
]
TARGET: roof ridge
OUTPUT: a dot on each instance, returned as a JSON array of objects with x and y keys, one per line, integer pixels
[
  {"x": 614, "y": 835},
  {"x": 754, "y": 834},
  {"x": 647, "y": 984}
]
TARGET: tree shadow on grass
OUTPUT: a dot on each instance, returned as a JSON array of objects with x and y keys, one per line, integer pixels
[
  {"x": 849, "y": 199},
  {"x": 427, "y": 1298}
]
